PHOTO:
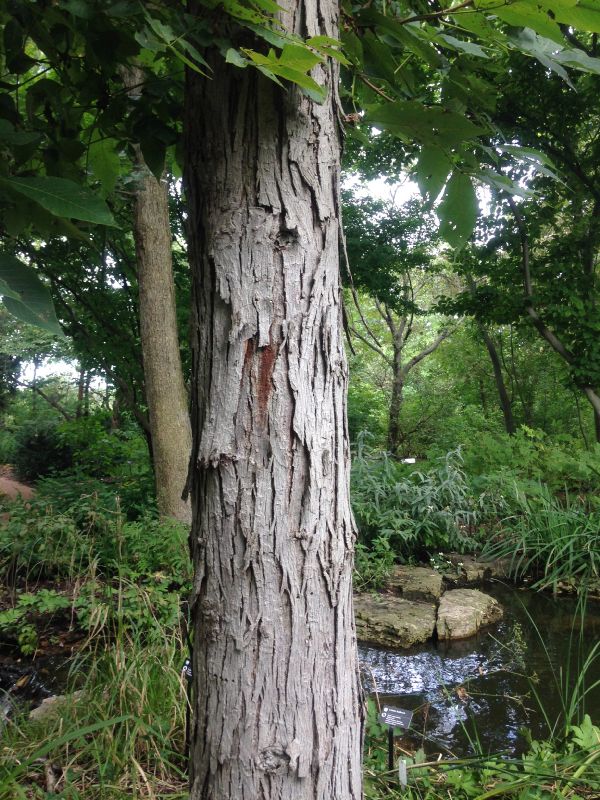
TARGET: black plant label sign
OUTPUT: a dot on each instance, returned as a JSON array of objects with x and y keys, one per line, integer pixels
[{"x": 396, "y": 717}]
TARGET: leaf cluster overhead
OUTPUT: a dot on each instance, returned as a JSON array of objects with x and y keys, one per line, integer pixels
[{"x": 429, "y": 78}]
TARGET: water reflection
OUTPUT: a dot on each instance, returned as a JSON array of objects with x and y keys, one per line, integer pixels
[{"x": 483, "y": 689}]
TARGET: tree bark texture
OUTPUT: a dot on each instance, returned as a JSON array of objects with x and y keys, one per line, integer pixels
[
  {"x": 163, "y": 376},
  {"x": 277, "y": 698}
]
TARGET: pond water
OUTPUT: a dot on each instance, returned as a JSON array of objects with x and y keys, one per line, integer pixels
[
  {"x": 24, "y": 683},
  {"x": 483, "y": 689}
]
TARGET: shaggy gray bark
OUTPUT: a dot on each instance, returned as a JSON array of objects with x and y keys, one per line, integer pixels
[{"x": 277, "y": 700}]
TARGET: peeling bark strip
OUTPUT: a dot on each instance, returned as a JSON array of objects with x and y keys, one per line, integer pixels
[{"x": 278, "y": 711}]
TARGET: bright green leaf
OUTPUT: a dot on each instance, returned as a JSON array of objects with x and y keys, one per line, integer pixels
[
  {"x": 232, "y": 56},
  {"x": 63, "y": 198},
  {"x": 434, "y": 125},
  {"x": 433, "y": 168},
  {"x": 104, "y": 163},
  {"x": 25, "y": 295},
  {"x": 460, "y": 44},
  {"x": 524, "y": 14},
  {"x": 458, "y": 210},
  {"x": 584, "y": 17},
  {"x": 298, "y": 58}
]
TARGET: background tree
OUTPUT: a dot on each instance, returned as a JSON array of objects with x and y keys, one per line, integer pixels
[
  {"x": 548, "y": 245},
  {"x": 391, "y": 253}
]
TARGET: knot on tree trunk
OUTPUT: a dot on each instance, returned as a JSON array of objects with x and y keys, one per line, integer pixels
[{"x": 273, "y": 759}]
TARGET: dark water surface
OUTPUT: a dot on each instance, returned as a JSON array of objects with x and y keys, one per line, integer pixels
[{"x": 500, "y": 671}]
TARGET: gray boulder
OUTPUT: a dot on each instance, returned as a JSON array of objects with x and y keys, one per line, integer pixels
[
  {"x": 54, "y": 704},
  {"x": 463, "y": 612},
  {"x": 393, "y": 622},
  {"x": 416, "y": 583}
]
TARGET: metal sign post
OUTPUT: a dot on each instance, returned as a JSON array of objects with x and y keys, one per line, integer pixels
[{"x": 394, "y": 718}]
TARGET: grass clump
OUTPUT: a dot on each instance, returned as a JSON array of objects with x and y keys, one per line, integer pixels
[
  {"x": 120, "y": 735},
  {"x": 554, "y": 539}
]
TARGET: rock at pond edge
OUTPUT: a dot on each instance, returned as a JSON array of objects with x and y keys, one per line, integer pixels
[
  {"x": 388, "y": 621},
  {"x": 463, "y": 612},
  {"x": 416, "y": 583}
]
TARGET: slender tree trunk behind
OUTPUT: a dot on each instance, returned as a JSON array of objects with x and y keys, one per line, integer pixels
[
  {"x": 86, "y": 394},
  {"x": 80, "y": 393},
  {"x": 163, "y": 377},
  {"x": 277, "y": 699},
  {"x": 393, "y": 442},
  {"x": 594, "y": 400},
  {"x": 505, "y": 404}
]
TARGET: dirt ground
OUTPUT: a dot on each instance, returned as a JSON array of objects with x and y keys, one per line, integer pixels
[{"x": 11, "y": 487}]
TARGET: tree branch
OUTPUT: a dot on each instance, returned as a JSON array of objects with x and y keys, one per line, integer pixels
[
  {"x": 426, "y": 352},
  {"x": 537, "y": 321},
  {"x": 373, "y": 347},
  {"x": 593, "y": 398},
  {"x": 352, "y": 287},
  {"x": 50, "y": 400}
]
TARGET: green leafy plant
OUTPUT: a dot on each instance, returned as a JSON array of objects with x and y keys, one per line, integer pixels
[
  {"x": 373, "y": 565},
  {"x": 418, "y": 512},
  {"x": 17, "y": 623},
  {"x": 557, "y": 541}
]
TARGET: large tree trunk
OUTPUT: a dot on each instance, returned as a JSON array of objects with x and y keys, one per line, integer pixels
[
  {"x": 163, "y": 377},
  {"x": 277, "y": 698},
  {"x": 505, "y": 404}
]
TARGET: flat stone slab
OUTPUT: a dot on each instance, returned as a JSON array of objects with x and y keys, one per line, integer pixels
[
  {"x": 52, "y": 705},
  {"x": 393, "y": 622},
  {"x": 416, "y": 583},
  {"x": 463, "y": 612}
]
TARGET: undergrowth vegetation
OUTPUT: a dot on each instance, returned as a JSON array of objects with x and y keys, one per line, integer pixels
[
  {"x": 548, "y": 530},
  {"x": 89, "y": 564},
  {"x": 549, "y": 769},
  {"x": 119, "y": 732},
  {"x": 88, "y": 555},
  {"x": 556, "y": 540},
  {"x": 417, "y": 511}
]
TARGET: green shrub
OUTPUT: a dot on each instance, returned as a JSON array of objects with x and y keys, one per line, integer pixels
[
  {"x": 37, "y": 542},
  {"x": 101, "y": 452},
  {"x": 8, "y": 446},
  {"x": 530, "y": 455},
  {"x": 419, "y": 512},
  {"x": 367, "y": 411},
  {"x": 41, "y": 450},
  {"x": 373, "y": 565}
]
